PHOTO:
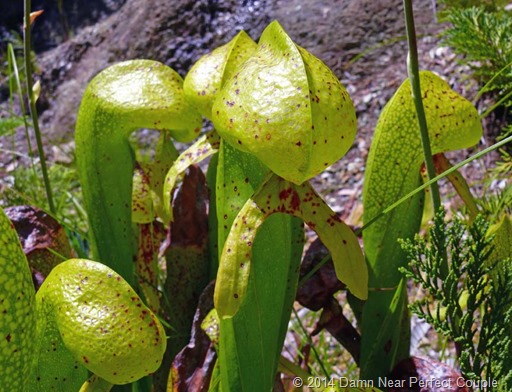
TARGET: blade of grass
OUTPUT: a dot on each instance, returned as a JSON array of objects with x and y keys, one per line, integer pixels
[
  {"x": 486, "y": 86},
  {"x": 435, "y": 179},
  {"x": 11, "y": 58},
  {"x": 307, "y": 336},
  {"x": 411, "y": 194},
  {"x": 500, "y": 101},
  {"x": 32, "y": 104}
]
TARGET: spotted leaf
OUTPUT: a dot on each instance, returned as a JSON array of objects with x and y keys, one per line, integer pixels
[
  {"x": 208, "y": 74},
  {"x": 392, "y": 171},
  {"x": 55, "y": 368},
  {"x": 119, "y": 100},
  {"x": 17, "y": 305},
  {"x": 102, "y": 321},
  {"x": 204, "y": 147},
  {"x": 280, "y": 196},
  {"x": 148, "y": 182},
  {"x": 283, "y": 102},
  {"x": 395, "y": 160}
]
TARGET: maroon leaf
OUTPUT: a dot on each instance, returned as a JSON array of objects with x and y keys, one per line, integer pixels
[
  {"x": 38, "y": 233},
  {"x": 320, "y": 287},
  {"x": 187, "y": 263},
  {"x": 193, "y": 366},
  {"x": 186, "y": 256},
  {"x": 190, "y": 226}
]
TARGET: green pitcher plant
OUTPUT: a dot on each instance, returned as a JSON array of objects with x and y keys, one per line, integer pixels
[
  {"x": 281, "y": 102},
  {"x": 84, "y": 319},
  {"x": 393, "y": 170},
  {"x": 119, "y": 100},
  {"x": 268, "y": 101}
]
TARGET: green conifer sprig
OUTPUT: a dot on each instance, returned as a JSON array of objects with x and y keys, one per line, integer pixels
[
  {"x": 484, "y": 39},
  {"x": 471, "y": 305}
]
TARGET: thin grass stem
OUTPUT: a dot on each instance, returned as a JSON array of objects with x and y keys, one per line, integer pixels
[{"x": 32, "y": 105}]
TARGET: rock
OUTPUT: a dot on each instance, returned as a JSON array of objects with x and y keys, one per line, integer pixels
[
  {"x": 362, "y": 41},
  {"x": 55, "y": 25},
  {"x": 179, "y": 32}
]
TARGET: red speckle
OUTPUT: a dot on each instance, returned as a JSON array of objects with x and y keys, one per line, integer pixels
[
  {"x": 295, "y": 200},
  {"x": 283, "y": 195}
]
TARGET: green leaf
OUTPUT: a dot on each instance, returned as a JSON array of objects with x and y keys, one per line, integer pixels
[
  {"x": 394, "y": 164},
  {"x": 256, "y": 339},
  {"x": 213, "y": 230},
  {"x": 123, "y": 98},
  {"x": 284, "y": 102},
  {"x": 102, "y": 321},
  {"x": 208, "y": 74},
  {"x": 277, "y": 195},
  {"x": 390, "y": 331},
  {"x": 203, "y": 148},
  {"x": 55, "y": 368},
  {"x": 17, "y": 309},
  {"x": 393, "y": 170},
  {"x": 251, "y": 342}
]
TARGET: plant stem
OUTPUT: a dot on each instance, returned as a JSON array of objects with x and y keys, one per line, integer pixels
[
  {"x": 12, "y": 61},
  {"x": 310, "y": 341},
  {"x": 500, "y": 102},
  {"x": 412, "y": 69},
  {"x": 32, "y": 105}
]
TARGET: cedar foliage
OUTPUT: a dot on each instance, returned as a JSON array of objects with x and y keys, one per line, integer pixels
[{"x": 470, "y": 303}]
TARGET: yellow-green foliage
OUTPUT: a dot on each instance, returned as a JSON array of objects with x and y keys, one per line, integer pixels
[
  {"x": 102, "y": 321},
  {"x": 17, "y": 319}
]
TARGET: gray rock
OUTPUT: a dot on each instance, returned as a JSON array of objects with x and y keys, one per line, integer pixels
[{"x": 179, "y": 32}]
